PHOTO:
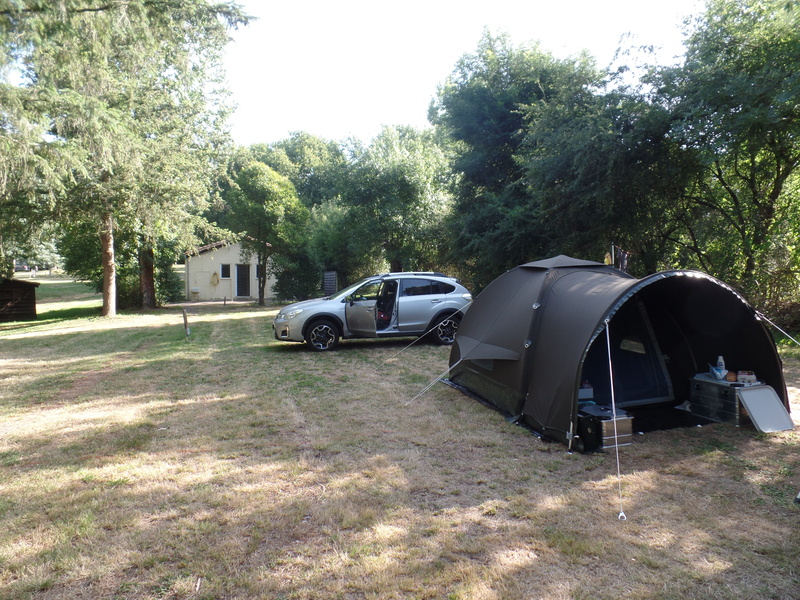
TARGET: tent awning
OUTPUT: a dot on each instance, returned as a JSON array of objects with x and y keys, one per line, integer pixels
[{"x": 473, "y": 349}]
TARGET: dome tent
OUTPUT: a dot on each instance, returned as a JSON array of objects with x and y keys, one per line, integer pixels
[{"x": 537, "y": 334}]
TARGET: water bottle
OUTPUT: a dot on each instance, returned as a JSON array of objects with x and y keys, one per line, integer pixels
[{"x": 720, "y": 363}]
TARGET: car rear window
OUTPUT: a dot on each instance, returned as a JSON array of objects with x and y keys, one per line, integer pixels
[{"x": 419, "y": 287}]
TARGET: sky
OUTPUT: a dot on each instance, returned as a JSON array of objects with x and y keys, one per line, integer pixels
[{"x": 345, "y": 68}]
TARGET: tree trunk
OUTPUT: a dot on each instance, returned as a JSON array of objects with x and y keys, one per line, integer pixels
[
  {"x": 147, "y": 279},
  {"x": 109, "y": 267},
  {"x": 261, "y": 258},
  {"x": 6, "y": 264}
]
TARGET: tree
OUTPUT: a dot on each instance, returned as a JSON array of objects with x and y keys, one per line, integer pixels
[
  {"x": 265, "y": 210},
  {"x": 116, "y": 87},
  {"x": 398, "y": 190},
  {"x": 317, "y": 169},
  {"x": 734, "y": 110},
  {"x": 601, "y": 168},
  {"x": 79, "y": 246},
  {"x": 336, "y": 243},
  {"x": 484, "y": 108},
  {"x": 314, "y": 165}
]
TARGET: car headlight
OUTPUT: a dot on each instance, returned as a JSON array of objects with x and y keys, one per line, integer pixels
[{"x": 292, "y": 314}]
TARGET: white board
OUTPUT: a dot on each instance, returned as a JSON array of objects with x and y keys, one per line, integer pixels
[{"x": 765, "y": 408}]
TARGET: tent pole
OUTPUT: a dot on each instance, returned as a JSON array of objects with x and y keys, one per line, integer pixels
[{"x": 621, "y": 516}]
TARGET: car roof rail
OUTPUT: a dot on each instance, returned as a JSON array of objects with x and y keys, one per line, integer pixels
[{"x": 415, "y": 273}]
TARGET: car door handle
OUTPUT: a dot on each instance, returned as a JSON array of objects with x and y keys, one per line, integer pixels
[{"x": 435, "y": 301}]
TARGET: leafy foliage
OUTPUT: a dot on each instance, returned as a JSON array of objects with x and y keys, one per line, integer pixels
[
  {"x": 115, "y": 116},
  {"x": 734, "y": 111},
  {"x": 485, "y": 108},
  {"x": 335, "y": 243},
  {"x": 315, "y": 166},
  {"x": 265, "y": 209},
  {"x": 398, "y": 193},
  {"x": 697, "y": 167},
  {"x": 80, "y": 247}
]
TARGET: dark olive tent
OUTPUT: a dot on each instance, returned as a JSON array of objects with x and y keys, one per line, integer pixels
[{"x": 541, "y": 333}]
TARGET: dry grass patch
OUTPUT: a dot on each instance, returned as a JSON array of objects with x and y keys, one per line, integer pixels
[{"x": 137, "y": 464}]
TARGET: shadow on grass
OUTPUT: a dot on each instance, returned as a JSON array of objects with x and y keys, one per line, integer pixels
[
  {"x": 53, "y": 316},
  {"x": 64, "y": 314},
  {"x": 350, "y": 345}
]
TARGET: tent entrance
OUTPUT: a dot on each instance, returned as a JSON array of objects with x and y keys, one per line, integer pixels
[{"x": 640, "y": 373}]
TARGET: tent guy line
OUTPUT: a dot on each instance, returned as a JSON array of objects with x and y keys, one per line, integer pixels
[
  {"x": 438, "y": 378},
  {"x": 399, "y": 352},
  {"x": 761, "y": 315},
  {"x": 621, "y": 515}
]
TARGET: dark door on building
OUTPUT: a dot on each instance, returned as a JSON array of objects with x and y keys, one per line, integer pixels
[{"x": 243, "y": 281}]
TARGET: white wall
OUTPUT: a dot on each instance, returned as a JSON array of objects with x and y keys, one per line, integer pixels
[{"x": 206, "y": 280}]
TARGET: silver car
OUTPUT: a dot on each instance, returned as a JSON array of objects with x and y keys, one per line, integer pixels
[{"x": 388, "y": 305}]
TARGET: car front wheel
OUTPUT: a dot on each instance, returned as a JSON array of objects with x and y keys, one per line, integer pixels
[
  {"x": 445, "y": 331},
  {"x": 322, "y": 335}
]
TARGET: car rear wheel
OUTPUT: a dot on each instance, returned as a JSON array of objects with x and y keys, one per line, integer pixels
[
  {"x": 322, "y": 335},
  {"x": 445, "y": 331}
]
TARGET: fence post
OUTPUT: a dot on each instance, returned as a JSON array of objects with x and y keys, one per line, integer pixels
[{"x": 186, "y": 323}]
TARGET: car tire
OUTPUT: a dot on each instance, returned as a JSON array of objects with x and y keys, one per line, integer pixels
[
  {"x": 322, "y": 335},
  {"x": 444, "y": 333}
]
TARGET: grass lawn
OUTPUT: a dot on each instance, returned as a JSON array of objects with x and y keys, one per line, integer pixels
[{"x": 135, "y": 463}]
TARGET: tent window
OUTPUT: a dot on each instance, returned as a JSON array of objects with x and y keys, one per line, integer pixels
[{"x": 633, "y": 344}]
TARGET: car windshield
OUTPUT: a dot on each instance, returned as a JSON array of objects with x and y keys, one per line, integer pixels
[{"x": 349, "y": 290}]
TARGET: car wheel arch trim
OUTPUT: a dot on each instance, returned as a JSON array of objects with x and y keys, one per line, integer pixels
[{"x": 323, "y": 317}]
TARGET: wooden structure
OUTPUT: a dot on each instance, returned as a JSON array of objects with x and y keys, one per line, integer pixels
[
  {"x": 17, "y": 300},
  {"x": 220, "y": 270}
]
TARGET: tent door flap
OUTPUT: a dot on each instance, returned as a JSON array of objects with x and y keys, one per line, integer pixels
[{"x": 765, "y": 408}]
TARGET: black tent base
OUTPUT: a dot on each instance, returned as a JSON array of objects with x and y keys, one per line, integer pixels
[
  {"x": 662, "y": 417},
  {"x": 596, "y": 435},
  {"x": 657, "y": 417}
]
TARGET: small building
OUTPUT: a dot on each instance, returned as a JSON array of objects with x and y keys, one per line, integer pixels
[
  {"x": 17, "y": 300},
  {"x": 219, "y": 270}
]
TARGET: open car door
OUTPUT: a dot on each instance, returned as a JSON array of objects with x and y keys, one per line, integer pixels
[{"x": 360, "y": 309}]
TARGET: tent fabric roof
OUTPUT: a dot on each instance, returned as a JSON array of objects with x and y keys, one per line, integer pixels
[{"x": 561, "y": 261}]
